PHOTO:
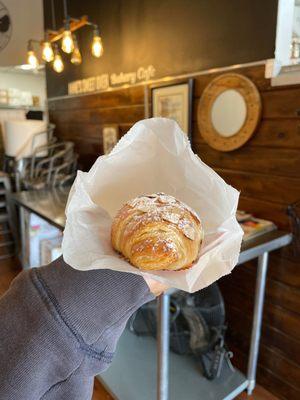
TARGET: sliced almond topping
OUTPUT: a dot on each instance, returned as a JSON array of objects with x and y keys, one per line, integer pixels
[
  {"x": 145, "y": 208},
  {"x": 140, "y": 201},
  {"x": 164, "y": 198},
  {"x": 189, "y": 231},
  {"x": 170, "y": 217}
]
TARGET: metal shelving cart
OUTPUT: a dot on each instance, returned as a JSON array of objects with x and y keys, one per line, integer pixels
[{"x": 143, "y": 368}]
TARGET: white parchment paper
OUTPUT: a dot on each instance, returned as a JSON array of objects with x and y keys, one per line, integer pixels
[{"x": 154, "y": 156}]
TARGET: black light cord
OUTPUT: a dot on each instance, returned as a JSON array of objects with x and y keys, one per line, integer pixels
[
  {"x": 65, "y": 10},
  {"x": 53, "y": 15}
]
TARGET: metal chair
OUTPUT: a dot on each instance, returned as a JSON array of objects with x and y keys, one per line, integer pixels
[
  {"x": 43, "y": 172},
  {"x": 16, "y": 167},
  {"x": 65, "y": 173},
  {"x": 50, "y": 138}
]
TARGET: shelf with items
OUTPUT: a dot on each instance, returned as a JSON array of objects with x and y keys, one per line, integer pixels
[
  {"x": 26, "y": 108},
  {"x": 132, "y": 374}
]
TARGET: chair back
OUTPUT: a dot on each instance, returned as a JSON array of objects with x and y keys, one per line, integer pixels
[
  {"x": 58, "y": 153},
  {"x": 37, "y": 137},
  {"x": 52, "y": 170}
]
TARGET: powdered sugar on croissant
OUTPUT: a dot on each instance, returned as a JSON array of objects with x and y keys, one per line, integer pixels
[{"x": 157, "y": 232}]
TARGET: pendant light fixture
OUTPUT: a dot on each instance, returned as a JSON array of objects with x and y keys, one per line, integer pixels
[
  {"x": 47, "y": 52},
  {"x": 76, "y": 58},
  {"x": 58, "y": 64},
  {"x": 97, "y": 47},
  {"x": 69, "y": 44},
  {"x": 31, "y": 57}
]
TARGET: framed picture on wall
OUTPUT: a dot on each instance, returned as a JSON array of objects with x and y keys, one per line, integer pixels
[
  {"x": 174, "y": 101},
  {"x": 110, "y": 137}
]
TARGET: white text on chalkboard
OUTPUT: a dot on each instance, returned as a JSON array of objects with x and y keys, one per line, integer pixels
[{"x": 107, "y": 81}]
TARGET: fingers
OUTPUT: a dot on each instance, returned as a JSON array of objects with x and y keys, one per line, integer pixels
[{"x": 156, "y": 287}]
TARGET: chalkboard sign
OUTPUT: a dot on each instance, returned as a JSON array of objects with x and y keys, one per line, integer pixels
[{"x": 173, "y": 36}]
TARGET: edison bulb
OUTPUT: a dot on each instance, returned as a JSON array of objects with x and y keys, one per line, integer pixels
[
  {"x": 47, "y": 54},
  {"x": 58, "y": 64},
  {"x": 76, "y": 56},
  {"x": 97, "y": 47},
  {"x": 67, "y": 43},
  {"x": 32, "y": 59}
]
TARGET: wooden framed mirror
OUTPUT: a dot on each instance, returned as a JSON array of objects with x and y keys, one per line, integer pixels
[{"x": 229, "y": 111}]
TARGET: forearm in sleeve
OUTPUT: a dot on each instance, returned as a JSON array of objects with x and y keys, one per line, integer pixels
[{"x": 59, "y": 327}]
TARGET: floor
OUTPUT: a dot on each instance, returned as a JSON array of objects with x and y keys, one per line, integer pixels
[{"x": 10, "y": 268}]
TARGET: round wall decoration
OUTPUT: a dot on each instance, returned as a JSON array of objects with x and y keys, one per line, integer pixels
[
  {"x": 229, "y": 111},
  {"x": 5, "y": 26}
]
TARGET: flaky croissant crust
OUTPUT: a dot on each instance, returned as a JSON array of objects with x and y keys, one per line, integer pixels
[{"x": 157, "y": 232}]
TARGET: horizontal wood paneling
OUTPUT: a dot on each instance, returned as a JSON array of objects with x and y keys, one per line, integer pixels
[
  {"x": 254, "y": 73},
  {"x": 280, "y": 133},
  {"x": 281, "y": 104},
  {"x": 283, "y": 133},
  {"x": 284, "y": 270},
  {"x": 277, "y": 293},
  {"x": 82, "y": 118},
  {"x": 279, "y": 162},
  {"x": 100, "y": 115},
  {"x": 240, "y": 325},
  {"x": 263, "y": 186},
  {"x": 282, "y": 389},
  {"x": 71, "y": 129},
  {"x": 266, "y": 209},
  {"x": 266, "y": 171},
  {"x": 275, "y": 316},
  {"x": 270, "y": 358},
  {"x": 115, "y": 98}
]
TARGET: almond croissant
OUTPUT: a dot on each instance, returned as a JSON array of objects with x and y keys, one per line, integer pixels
[{"x": 157, "y": 232}]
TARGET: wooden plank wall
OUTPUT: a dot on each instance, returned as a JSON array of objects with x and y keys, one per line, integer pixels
[
  {"x": 267, "y": 171},
  {"x": 81, "y": 119}
]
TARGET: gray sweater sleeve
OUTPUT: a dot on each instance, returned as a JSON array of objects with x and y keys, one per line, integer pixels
[{"x": 59, "y": 328}]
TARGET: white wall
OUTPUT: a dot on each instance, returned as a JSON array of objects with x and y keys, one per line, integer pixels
[
  {"x": 27, "y": 23},
  {"x": 36, "y": 84}
]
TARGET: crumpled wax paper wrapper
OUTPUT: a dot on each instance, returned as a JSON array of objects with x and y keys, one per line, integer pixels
[{"x": 154, "y": 156}]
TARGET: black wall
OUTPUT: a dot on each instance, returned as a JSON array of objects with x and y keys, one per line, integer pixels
[{"x": 175, "y": 36}]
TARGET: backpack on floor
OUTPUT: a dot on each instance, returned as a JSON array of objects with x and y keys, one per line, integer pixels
[{"x": 197, "y": 327}]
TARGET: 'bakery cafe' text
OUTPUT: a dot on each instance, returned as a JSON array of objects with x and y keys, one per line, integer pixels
[{"x": 107, "y": 81}]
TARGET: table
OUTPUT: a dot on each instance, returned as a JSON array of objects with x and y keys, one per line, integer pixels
[
  {"x": 47, "y": 204},
  {"x": 256, "y": 248},
  {"x": 132, "y": 374}
]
